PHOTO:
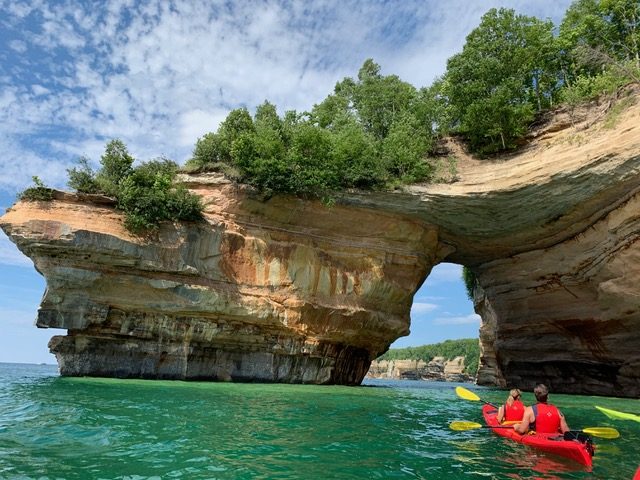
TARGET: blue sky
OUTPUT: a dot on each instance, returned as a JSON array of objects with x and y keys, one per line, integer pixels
[{"x": 160, "y": 74}]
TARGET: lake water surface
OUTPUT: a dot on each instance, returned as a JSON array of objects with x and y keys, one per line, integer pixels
[{"x": 87, "y": 428}]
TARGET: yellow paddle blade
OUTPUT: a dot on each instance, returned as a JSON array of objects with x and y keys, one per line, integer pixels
[
  {"x": 467, "y": 394},
  {"x": 616, "y": 415},
  {"x": 461, "y": 426},
  {"x": 602, "y": 432}
]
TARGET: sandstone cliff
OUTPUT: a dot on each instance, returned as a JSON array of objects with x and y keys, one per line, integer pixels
[
  {"x": 284, "y": 290},
  {"x": 289, "y": 290},
  {"x": 438, "y": 369}
]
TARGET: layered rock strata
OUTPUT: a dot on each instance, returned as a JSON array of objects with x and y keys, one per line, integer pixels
[
  {"x": 437, "y": 369},
  {"x": 284, "y": 291},
  {"x": 290, "y": 290}
]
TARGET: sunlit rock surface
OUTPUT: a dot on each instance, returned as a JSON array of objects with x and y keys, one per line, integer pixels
[
  {"x": 283, "y": 290},
  {"x": 289, "y": 290}
]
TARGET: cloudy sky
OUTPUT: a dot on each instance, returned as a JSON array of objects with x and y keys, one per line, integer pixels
[{"x": 160, "y": 74}]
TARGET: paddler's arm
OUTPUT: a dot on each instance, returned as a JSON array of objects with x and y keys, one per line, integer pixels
[
  {"x": 523, "y": 426},
  {"x": 563, "y": 423},
  {"x": 500, "y": 415}
]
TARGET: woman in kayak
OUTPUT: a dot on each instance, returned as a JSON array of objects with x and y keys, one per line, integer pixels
[
  {"x": 542, "y": 417},
  {"x": 513, "y": 408}
]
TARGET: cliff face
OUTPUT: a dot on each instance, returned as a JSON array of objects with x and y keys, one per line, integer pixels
[
  {"x": 437, "y": 369},
  {"x": 285, "y": 290},
  {"x": 292, "y": 291}
]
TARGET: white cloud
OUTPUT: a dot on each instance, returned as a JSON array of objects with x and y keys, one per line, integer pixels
[
  {"x": 39, "y": 90},
  {"x": 444, "y": 273},
  {"x": 472, "y": 318},
  {"x": 18, "y": 45},
  {"x": 421, "y": 307},
  {"x": 18, "y": 164},
  {"x": 195, "y": 123}
]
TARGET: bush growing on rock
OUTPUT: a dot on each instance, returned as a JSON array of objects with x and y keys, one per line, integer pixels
[
  {"x": 147, "y": 193},
  {"x": 39, "y": 192},
  {"x": 371, "y": 132}
]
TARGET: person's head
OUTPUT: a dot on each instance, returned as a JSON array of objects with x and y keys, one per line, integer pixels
[
  {"x": 541, "y": 392},
  {"x": 514, "y": 394}
]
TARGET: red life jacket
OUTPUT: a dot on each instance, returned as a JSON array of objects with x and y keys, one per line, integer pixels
[
  {"x": 513, "y": 412},
  {"x": 547, "y": 418}
]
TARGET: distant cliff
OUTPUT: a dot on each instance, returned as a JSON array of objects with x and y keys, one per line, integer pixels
[
  {"x": 438, "y": 369},
  {"x": 290, "y": 290}
]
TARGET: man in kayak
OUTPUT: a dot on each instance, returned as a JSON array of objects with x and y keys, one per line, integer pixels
[
  {"x": 513, "y": 408},
  {"x": 542, "y": 417}
]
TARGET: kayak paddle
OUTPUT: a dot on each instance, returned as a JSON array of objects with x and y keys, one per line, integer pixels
[
  {"x": 469, "y": 395},
  {"x": 601, "y": 432},
  {"x": 615, "y": 415}
]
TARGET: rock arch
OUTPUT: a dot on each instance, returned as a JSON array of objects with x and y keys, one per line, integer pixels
[{"x": 289, "y": 290}]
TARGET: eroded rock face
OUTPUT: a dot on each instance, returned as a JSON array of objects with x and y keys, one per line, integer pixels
[
  {"x": 283, "y": 290},
  {"x": 575, "y": 326},
  {"x": 438, "y": 369},
  {"x": 289, "y": 290}
]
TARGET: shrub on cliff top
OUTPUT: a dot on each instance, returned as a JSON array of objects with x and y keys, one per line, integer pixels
[
  {"x": 147, "y": 194},
  {"x": 39, "y": 192}
]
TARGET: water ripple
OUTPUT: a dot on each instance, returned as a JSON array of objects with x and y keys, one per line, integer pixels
[{"x": 67, "y": 428}]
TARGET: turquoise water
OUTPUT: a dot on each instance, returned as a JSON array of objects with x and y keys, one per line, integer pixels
[{"x": 83, "y": 428}]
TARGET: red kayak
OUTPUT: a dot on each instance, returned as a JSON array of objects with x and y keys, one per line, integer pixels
[
  {"x": 547, "y": 442},
  {"x": 637, "y": 474}
]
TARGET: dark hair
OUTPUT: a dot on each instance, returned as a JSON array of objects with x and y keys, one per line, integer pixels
[{"x": 541, "y": 392}]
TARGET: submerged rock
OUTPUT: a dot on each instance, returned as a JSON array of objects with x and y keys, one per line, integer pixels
[{"x": 290, "y": 290}]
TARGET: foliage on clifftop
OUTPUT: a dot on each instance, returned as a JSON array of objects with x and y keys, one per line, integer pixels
[
  {"x": 39, "y": 192},
  {"x": 370, "y": 132},
  {"x": 469, "y": 348},
  {"x": 146, "y": 193},
  {"x": 378, "y": 131}
]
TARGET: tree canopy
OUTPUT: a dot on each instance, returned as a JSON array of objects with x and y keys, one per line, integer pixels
[
  {"x": 504, "y": 73},
  {"x": 368, "y": 133},
  {"x": 377, "y": 131}
]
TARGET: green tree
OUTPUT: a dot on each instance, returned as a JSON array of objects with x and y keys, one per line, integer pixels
[
  {"x": 596, "y": 34},
  {"x": 116, "y": 166},
  {"x": 379, "y": 100},
  {"x": 449, "y": 349},
  {"x": 335, "y": 111},
  {"x": 624, "y": 16},
  {"x": 313, "y": 169},
  {"x": 506, "y": 62},
  {"x": 404, "y": 147},
  {"x": 266, "y": 118},
  {"x": 369, "y": 132},
  {"x": 209, "y": 150},
  {"x": 147, "y": 194},
  {"x": 237, "y": 123},
  {"x": 355, "y": 156},
  {"x": 432, "y": 109},
  {"x": 82, "y": 178}
]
